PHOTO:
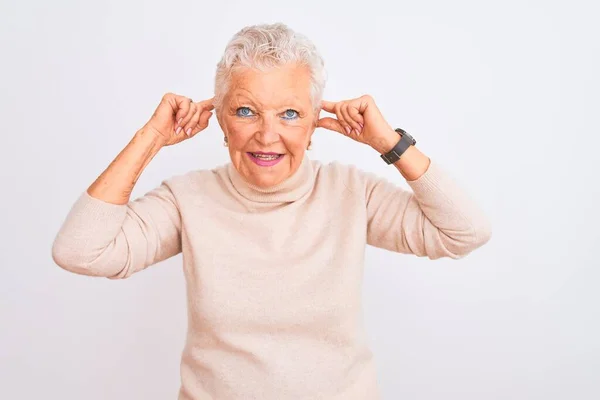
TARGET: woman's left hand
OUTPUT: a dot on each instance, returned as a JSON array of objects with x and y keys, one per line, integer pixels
[{"x": 361, "y": 120}]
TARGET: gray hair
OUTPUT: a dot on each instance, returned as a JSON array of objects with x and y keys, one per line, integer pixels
[{"x": 266, "y": 46}]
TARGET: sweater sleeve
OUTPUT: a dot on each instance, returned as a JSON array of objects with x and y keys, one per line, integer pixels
[
  {"x": 437, "y": 219},
  {"x": 114, "y": 241}
]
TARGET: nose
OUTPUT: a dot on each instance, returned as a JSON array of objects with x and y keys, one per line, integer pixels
[{"x": 267, "y": 131}]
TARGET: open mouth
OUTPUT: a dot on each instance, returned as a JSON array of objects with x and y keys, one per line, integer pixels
[{"x": 265, "y": 159}]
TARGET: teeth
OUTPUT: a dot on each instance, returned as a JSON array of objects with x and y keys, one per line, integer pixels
[{"x": 265, "y": 157}]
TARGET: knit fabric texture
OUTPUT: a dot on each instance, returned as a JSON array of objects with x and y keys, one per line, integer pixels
[{"x": 273, "y": 275}]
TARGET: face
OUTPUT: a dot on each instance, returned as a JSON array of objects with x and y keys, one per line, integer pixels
[{"x": 268, "y": 119}]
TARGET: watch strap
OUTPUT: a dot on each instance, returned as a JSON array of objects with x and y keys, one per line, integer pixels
[{"x": 403, "y": 144}]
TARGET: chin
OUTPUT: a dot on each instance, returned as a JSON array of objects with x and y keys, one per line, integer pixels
[
  {"x": 265, "y": 176},
  {"x": 266, "y": 180}
]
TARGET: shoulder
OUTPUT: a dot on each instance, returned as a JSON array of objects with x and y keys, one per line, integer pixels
[
  {"x": 348, "y": 176},
  {"x": 196, "y": 181}
]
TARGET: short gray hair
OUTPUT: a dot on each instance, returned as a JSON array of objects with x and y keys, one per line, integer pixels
[{"x": 265, "y": 46}]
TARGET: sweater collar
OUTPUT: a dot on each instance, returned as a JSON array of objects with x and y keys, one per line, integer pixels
[{"x": 291, "y": 189}]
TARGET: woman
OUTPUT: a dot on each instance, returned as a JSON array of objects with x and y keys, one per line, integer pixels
[{"x": 273, "y": 243}]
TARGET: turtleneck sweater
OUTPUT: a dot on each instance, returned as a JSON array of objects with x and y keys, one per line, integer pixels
[{"x": 273, "y": 275}]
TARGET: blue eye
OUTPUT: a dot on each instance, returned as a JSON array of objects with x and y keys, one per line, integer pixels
[
  {"x": 244, "y": 112},
  {"x": 291, "y": 114}
]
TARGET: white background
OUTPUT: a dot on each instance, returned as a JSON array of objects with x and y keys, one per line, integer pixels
[{"x": 504, "y": 95}]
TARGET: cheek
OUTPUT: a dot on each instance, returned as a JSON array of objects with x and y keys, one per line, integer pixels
[
  {"x": 297, "y": 139},
  {"x": 239, "y": 134}
]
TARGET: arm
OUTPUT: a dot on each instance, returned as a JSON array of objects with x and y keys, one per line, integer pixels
[
  {"x": 437, "y": 219},
  {"x": 107, "y": 234}
]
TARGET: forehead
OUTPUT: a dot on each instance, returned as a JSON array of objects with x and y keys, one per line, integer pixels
[{"x": 272, "y": 86}]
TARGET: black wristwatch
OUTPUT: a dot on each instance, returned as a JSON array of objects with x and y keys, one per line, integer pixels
[{"x": 404, "y": 143}]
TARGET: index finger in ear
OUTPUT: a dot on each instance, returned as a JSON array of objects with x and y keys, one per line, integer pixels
[
  {"x": 328, "y": 106},
  {"x": 206, "y": 104}
]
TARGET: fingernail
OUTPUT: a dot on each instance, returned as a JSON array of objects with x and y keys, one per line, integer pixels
[
  {"x": 348, "y": 130},
  {"x": 179, "y": 122},
  {"x": 361, "y": 126},
  {"x": 357, "y": 131},
  {"x": 189, "y": 131},
  {"x": 177, "y": 131}
]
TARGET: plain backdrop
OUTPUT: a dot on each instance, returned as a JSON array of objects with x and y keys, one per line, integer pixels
[{"x": 503, "y": 95}]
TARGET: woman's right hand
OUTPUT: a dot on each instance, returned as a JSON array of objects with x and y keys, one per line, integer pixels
[{"x": 178, "y": 118}]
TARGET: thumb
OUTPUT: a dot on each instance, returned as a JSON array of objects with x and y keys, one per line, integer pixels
[
  {"x": 332, "y": 124},
  {"x": 202, "y": 122},
  {"x": 204, "y": 117}
]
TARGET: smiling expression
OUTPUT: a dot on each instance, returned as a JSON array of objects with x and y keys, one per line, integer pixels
[{"x": 268, "y": 119}]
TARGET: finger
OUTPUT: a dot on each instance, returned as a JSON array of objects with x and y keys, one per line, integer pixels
[
  {"x": 202, "y": 122},
  {"x": 331, "y": 123},
  {"x": 183, "y": 107},
  {"x": 206, "y": 105},
  {"x": 328, "y": 106},
  {"x": 340, "y": 117},
  {"x": 191, "y": 124},
  {"x": 188, "y": 117},
  {"x": 348, "y": 119},
  {"x": 204, "y": 118},
  {"x": 356, "y": 116}
]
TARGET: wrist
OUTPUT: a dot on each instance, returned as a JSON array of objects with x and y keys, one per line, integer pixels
[
  {"x": 386, "y": 142},
  {"x": 409, "y": 160},
  {"x": 151, "y": 137},
  {"x": 143, "y": 147}
]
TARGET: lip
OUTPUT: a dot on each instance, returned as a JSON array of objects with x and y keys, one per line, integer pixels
[{"x": 265, "y": 163}]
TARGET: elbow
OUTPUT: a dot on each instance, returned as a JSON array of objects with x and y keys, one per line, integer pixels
[
  {"x": 68, "y": 258},
  {"x": 73, "y": 259},
  {"x": 472, "y": 240},
  {"x": 457, "y": 245},
  {"x": 483, "y": 233}
]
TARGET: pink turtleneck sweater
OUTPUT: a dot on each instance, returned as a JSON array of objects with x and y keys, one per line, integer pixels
[{"x": 273, "y": 276}]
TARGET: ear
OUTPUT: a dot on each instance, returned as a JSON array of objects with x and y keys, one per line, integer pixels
[{"x": 312, "y": 131}]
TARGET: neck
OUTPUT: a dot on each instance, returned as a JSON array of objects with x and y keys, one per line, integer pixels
[{"x": 291, "y": 189}]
